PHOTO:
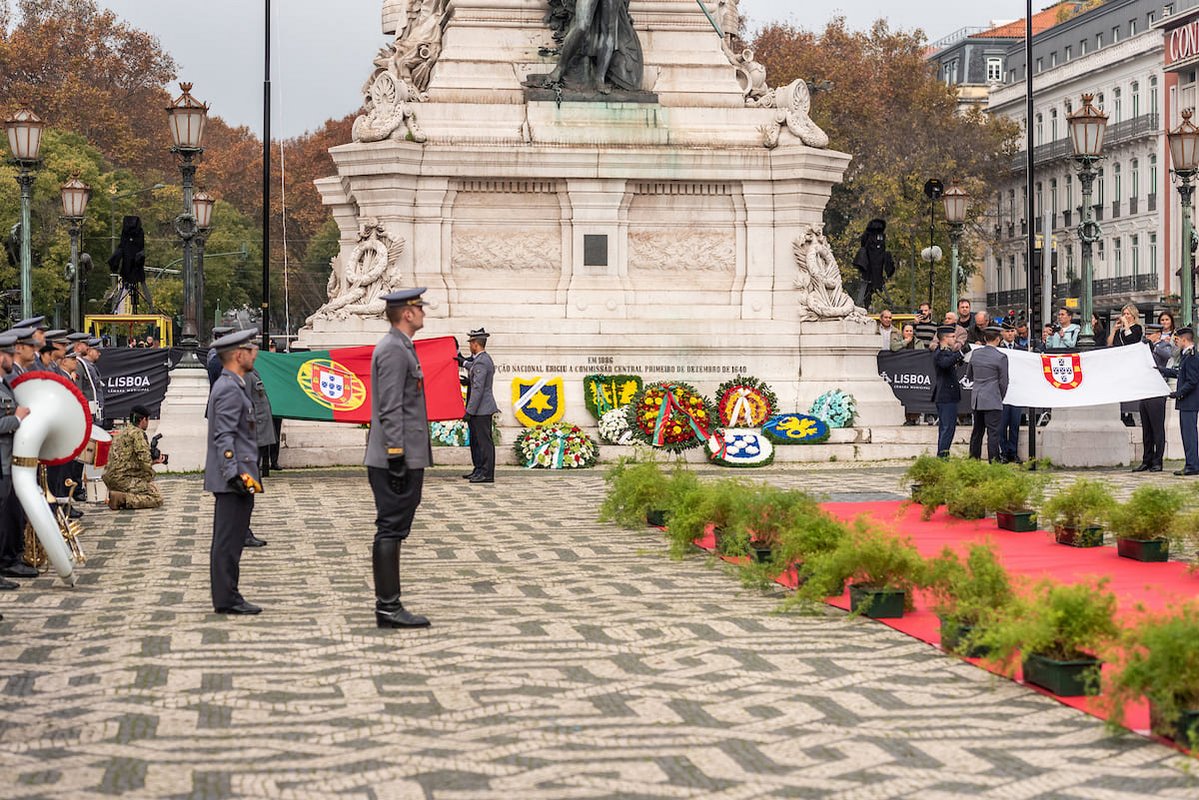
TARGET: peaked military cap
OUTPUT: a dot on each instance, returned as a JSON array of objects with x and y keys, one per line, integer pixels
[
  {"x": 478, "y": 333},
  {"x": 1186, "y": 332},
  {"x": 24, "y": 335},
  {"x": 236, "y": 339},
  {"x": 1008, "y": 326},
  {"x": 945, "y": 330},
  {"x": 1153, "y": 327},
  {"x": 405, "y": 297},
  {"x": 991, "y": 329},
  {"x": 78, "y": 336},
  {"x": 95, "y": 341},
  {"x": 222, "y": 330},
  {"x": 56, "y": 335},
  {"x": 70, "y": 354},
  {"x": 37, "y": 323},
  {"x": 8, "y": 341}
]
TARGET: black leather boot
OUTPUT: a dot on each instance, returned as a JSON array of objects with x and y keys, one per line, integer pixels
[{"x": 389, "y": 611}]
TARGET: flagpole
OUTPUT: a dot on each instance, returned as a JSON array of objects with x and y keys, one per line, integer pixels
[{"x": 1030, "y": 214}]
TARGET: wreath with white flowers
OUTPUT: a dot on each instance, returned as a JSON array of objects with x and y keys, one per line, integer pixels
[
  {"x": 614, "y": 427},
  {"x": 454, "y": 433},
  {"x": 836, "y": 408},
  {"x": 671, "y": 415},
  {"x": 558, "y": 445},
  {"x": 745, "y": 402}
]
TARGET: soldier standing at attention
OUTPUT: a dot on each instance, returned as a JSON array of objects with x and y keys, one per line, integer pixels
[
  {"x": 10, "y": 419},
  {"x": 480, "y": 405},
  {"x": 397, "y": 450},
  {"x": 231, "y": 468}
]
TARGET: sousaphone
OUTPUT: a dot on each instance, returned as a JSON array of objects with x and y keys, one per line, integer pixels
[{"x": 56, "y": 430}]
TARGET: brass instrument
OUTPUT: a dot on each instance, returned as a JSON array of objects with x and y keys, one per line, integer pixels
[{"x": 70, "y": 529}]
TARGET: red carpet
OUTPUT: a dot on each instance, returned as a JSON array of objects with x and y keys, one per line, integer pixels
[{"x": 1154, "y": 587}]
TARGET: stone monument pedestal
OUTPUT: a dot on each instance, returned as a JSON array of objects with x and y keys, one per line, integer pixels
[{"x": 182, "y": 420}]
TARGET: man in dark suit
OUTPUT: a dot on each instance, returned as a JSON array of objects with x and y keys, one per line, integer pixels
[
  {"x": 1009, "y": 421},
  {"x": 947, "y": 392},
  {"x": 397, "y": 450},
  {"x": 988, "y": 371},
  {"x": 1153, "y": 409},
  {"x": 231, "y": 468},
  {"x": 480, "y": 406},
  {"x": 1186, "y": 394}
]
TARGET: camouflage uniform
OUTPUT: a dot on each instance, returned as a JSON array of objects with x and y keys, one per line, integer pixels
[{"x": 129, "y": 475}]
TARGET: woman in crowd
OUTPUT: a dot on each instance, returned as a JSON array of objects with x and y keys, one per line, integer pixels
[
  {"x": 1099, "y": 330},
  {"x": 1127, "y": 329},
  {"x": 908, "y": 340}
]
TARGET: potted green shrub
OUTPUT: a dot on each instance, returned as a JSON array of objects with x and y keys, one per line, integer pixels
[
  {"x": 881, "y": 568},
  {"x": 714, "y": 504},
  {"x": 964, "y": 593},
  {"x": 766, "y": 511},
  {"x": 1058, "y": 632},
  {"x": 1146, "y": 521},
  {"x": 806, "y": 537},
  {"x": 1162, "y": 665},
  {"x": 1013, "y": 494},
  {"x": 1077, "y": 512},
  {"x": 636, "y": 489},
  {"x": 926, "y": 471}
]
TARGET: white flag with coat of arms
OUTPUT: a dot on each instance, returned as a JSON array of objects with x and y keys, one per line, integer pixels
[{"x": 1092, "y": 378}]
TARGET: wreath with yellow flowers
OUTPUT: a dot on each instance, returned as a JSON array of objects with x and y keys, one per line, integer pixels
[
  {"x": 671, "y": 415},
  {"x": 745, "y": 402}
]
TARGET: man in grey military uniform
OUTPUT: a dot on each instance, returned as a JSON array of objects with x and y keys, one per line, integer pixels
[
  {"x": 12, "y": 516},
  {"x": 231, "y": 468},
  {"x": 480, "y": 405},
  {"x": 989, "y": 371},
  {"x": 213, "y": 364},
  {"x": 397, "y": 450},
  {"x": 11, "y": 415}
]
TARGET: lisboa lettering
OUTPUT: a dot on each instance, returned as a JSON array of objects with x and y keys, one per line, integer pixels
[
  {"x": 903, "y": 380},
  {"x": 127, "y": 382}
]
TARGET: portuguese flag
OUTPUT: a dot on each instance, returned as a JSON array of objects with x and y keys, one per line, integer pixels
[{"x": 335, "y": 385}]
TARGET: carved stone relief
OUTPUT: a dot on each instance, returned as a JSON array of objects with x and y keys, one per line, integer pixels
[
  {"x": 516, "y": 251},
  {"x": 369, "y": 273},
  {"x": 818, "y": 281},
  {"x": 792, "y": 104},
  {"x": 682, "y": 251}
]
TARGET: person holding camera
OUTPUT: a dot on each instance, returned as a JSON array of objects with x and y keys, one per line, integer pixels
[
  {"x": 129, "y": 475},
  {"x": 1065, "y": 333}
]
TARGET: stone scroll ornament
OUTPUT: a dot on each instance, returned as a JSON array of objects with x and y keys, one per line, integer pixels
[
  {"x": 818, "y": 281},
  {"x": 671, "y": 415},
  {"x": 369, "y": 273},
  {"x": 792, "y": 104},
  {"x": 557, "y": 445},
  {"x": 745, "y": 402}
]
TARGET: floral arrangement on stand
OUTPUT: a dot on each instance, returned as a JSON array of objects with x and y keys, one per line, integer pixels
[
  {"x": 745, "y": 402},
  {"x": 671, "y": 415},
  {"x": 604, "y": 393},
  {"x": 739, "y": 447},
  {"x": 796, "y": 429},
  {"x": 836, "y": 408},
  {"x": 558, "y": 445},
  {"x": 614, "y": 427},
  {"x": 454, "y": 433}
]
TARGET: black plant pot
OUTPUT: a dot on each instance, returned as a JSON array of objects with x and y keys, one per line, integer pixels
[
  {"x": 1018, "y": 521},
  {"x": 1091, "y": 536},
  {"x": 1063, "y": 678},
  {"x": 876, "y": 603},
  {"x": 763, "y": 554},
  {"x": 1143, "y": 549},
  {"x": 1184, "y": 729},
  {"x": 953, "y": 634},
  {"x": 916, "y": 487},
  {"x": 657, "y": 518}
]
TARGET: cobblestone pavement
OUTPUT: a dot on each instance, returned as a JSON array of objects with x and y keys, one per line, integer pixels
[{"x": 568, "y": 659}]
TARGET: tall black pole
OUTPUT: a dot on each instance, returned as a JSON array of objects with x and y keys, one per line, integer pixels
[
  {"x": 1030, "y": 210},
  {"x": 266, "y": 185}
]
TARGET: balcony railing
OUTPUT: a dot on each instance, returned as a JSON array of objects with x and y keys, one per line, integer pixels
[
  {"x": 1000, "y": 302},
  {"x": 1116, "y": 133}
]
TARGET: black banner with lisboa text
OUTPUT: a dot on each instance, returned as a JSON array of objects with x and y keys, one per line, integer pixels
[
  {"x": 133, "y": 376},
  {"x": 910, "y": 375}
]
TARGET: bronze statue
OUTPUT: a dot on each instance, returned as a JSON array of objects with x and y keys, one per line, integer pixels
[{"x": 597, "y": 46}]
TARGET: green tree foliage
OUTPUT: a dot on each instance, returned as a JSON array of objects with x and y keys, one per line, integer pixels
[{"x": 902, "y": 126}]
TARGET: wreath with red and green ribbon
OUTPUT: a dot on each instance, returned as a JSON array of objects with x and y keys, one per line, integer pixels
[
  {"x": 671, "y": 415},
  {"x": 745, "y": 402}
]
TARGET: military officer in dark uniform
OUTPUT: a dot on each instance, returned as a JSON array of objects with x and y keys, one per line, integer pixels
[
  {"x": 1186, "y": 395},
  {"x": 947, "y": 392},
  {"x": 38, "y": 326},
  {"x": 397, "y": 450},
  {"x": 480, "y": 406},
  {"x": 1153, "y": 409},
  {"x": 231, "y": 468},
  {"x": 10, "y": 419}
]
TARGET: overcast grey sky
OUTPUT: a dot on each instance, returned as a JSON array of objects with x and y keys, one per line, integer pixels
[{"x": 322, "y": 49}]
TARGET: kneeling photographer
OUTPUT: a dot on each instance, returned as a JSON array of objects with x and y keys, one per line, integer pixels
[{"x": 129, "y": 475}]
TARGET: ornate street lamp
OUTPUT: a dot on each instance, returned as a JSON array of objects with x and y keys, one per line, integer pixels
[
  {"x": 202, "y": 205},
  {"x": 1087, "y": 126},
  {"x": 187, "y": 117},
  {"x": 24, "y": 130},
  {"x": 957, "y": 206},
  {"x": 1184, "y": 162},
  {"x": 75, "y": 194}
]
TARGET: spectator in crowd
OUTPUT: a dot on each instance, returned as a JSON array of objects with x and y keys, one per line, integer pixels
[
  {"x": 907, "y": 339},
  {"x": 964, "y": 315},
  {"x": 1166, "y": 320},
  {"x": 947, "y": 392},
  {"x": 1065, "y": 335},
  {"x": 151, "y": 341},
  {"x": 1046, "y": 336},
  {"x": 1127, "y": 329},
  {"x": 1186, "y": 395},
  {"x": 1021, "y": 335},
  {"x": 978, "y": 328},
  {"x": 888, "y": 333},
  {"x": 1099, "y": 330},
  {"x": 926, "y": 329}
]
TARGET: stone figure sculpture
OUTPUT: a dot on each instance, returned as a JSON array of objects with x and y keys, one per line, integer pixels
[
  {"x": 369, "y": 274},
  {"x": 793, "y": 103},
  {"x": 873, "y": 261},
  {"x": 598, "y": 47},
  {"x": 822, "y": 295}
]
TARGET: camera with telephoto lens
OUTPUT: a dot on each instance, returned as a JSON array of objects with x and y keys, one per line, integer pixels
[{"x": 155, "y": 452}]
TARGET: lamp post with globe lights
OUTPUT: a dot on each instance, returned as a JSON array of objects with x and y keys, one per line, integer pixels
[
  {"x": 187, "y": 117},
  {"x": 24, "y": 130},
  {"x": 957, "y": 206},
  {"x": 1087, "y": 126},
  {"x": 202, "y": 204},
  {"x": 1184, "y": 163},
  {"x": 75, "y": 194}
]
